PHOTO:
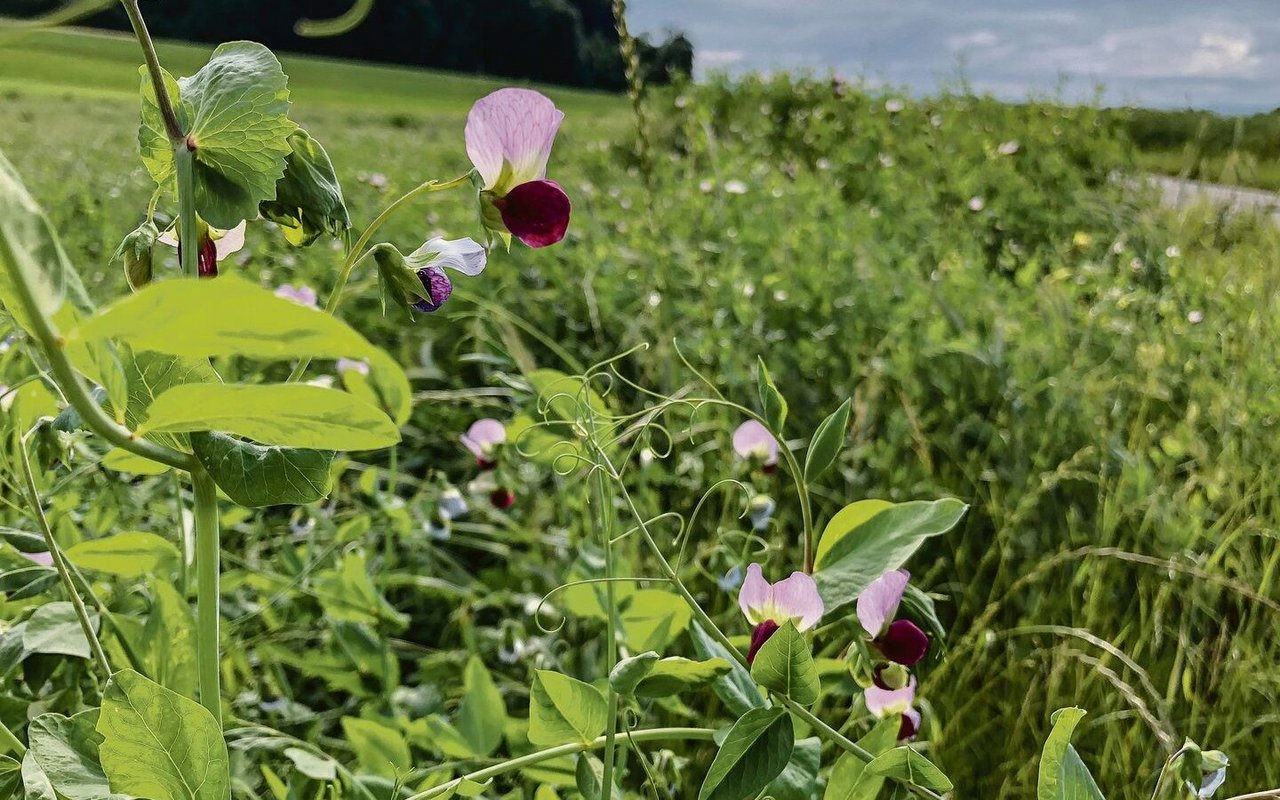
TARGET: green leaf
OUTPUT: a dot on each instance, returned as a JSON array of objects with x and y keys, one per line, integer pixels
[
  {"x": 772, "y": 403},
  {"x": 736, "y": 688},
  {"x": 568, "y": 399},
  {"x": 785, "y": 665},
  {"x": 827, "y": 440},
  {"x": 10, "y": 776},
  {"x": 255, "y": 476},
  {"x": 150, "y": 375},
  {"x": 379, "y": 749},
  {"x": 170, "y": 635},
  {"x": 799, "y": 781},
  {"x": 236, "y": 114},
  {"x": 283, "y": 414},
  {"x": 55, "y": 628},
  {"x": 66, "y": 748},
  {"x": 228, "y": 316},
  {"x": 627, "y": 673},
  {"x": 1063, "y": 776},
  {"x": 126, "y": 555},
  {"x": 482, "y": 714},
  {"x": 125, "y": 461},
  {"x": 849, "y": 779},
  {"x": 881, "y": 543},
  {"x": 34, "y": 781},
  {"x": 160, "y": 745},
  {"x": 320, "y": 768},
  {"x": 905, "y": 764},
  {"x": 649, "y": 676},
  {"x": 347, "y": 594},
  {"x": 845, "y": 522},
  {"x": 308, "y": 199},
  {"x": 589, "y": 778},
  {"x": 652, "y": 618},
  {"x": 564, "y": 710},
  {"x": 755, "y": 751}
]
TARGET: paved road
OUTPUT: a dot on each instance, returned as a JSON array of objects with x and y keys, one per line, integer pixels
[{"x": 1180, "y": 192}]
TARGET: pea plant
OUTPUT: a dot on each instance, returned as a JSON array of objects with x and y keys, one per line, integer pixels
[{"x": 169, "y": 379}]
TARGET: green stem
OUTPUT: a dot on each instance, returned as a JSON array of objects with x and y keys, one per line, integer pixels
[
  {"x": 480, "y": 776},
  {"x": 611, "y": 635},
  {"x": 153, "y": 69},
  {"x": 188, "y": 238},
  {"x": 356, "y": 254},
  {"x": 33, "y": 495},
  {"x": 208, "y": 553},
  {"x": 9, "y": 739}
]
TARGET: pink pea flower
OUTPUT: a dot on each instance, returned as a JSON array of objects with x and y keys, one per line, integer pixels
[
  {"x": 901, "y": 641},
  {"x": 509, "y": 135},
  {"x": 483, "y": 439},
  {"x": 769, "y": 606},
  {"x": 883, "y": 702},
  {"x": 351, "y": 365},
  {"x": 44, "y": 559},
  {"x": 463, "y": 255},
  {"x": 302, "y": 294},
  {"x": 753, "y": 441},
  {"x": 215, "y": 245}
]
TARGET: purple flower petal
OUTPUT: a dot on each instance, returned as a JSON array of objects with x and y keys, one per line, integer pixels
[
  {"x": 910, "y": 725},
  {"x": 796, "y": 598},
  {"x": 509, "y": 134},
  {"x": 438, "y": 288},
  {"x": 482, "y": 437},
  {"x": 753, "y": 440},
  {"x": 536, "y": 212},
  {"x": 465, "y": 255},
  {"x": 348, "y": 364},
  {"x": 883, "y": 702},
  {"x": 759, "y": 636},
  {"x": 756, "y": 596},
  {"x": 44, "y": 559},
  {"x": 228, "y": 242},
  {"x": 303, "y": 295},
  {"x": 903, "y": 643},
  {"x": 878, "y": 603}
]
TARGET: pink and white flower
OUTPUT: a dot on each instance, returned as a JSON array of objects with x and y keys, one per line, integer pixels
[
  {"x": 885, "y": 702},
  {"x": 215, "y": 245},
  {"x": 301, "y": 294},
  {"x": 509, "y": 134},
  {"x": 483, "y": 439},
  {"x": 753, "y": 441},
  {"x": 428, "y": 261},
  {"x": 899, "y": 640},
  {"x": 769, "y": 606}
]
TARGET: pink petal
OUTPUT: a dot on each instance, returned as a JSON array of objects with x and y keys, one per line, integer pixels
[
  {"x": 883, "y": 702},
  {"x": 756, "y": 596},
  {"x": 465, "y": 255},
  {"x": 536, "y": 212},
  {"x": 515, "y": 127},
  {"x": 304, "y": 295},
  {"x": 482, "y": 436},
  {"x": 753, "y": 440},
  {"x": 878, "y": 603},
  {"x": 796, "y": 598},
  {"x": 345, "y": 364},
  {"x": 228, "y": 242},
  {"x": 45, "y": 558}
]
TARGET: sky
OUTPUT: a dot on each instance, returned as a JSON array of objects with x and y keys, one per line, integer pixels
[{"x": 1218, "y": 54}]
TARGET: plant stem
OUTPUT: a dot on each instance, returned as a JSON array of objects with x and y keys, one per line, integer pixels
[
  {"x": 153, "y": 68},
  {"x": 208, "y": 553},
  {"x": 480, "y": 776},
  {"x": 9, "y": 739},
  {"x": 33, "y": 495},
  {"x": 356, "y": 253},
  {"x": 611, "y": 634},
  {"x": 188, "y": 238}
]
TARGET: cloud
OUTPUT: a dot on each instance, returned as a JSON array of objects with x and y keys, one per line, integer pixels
[
  {"x": 1220, "y": 54},
  {"x": 973, "y": 39},
  {"x": 718, "y": 59}
]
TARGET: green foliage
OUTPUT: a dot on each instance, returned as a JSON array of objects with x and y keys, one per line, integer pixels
[
  {"x": 482, "y": 713},
  {"x": 827, "y": 440},
  {"x": 254, "y": 475},
  {"x": 564, "y": 709},
  {"x": 772, "y": 404},
  {"x": 66, "y": 748},
  {"x": 905, "y": 764},
  {"x": 131, "y": 554},
  {"x": 785, "y": 665},
  {"x": 648, "y": 675},
  {"x": 381, "y": 750},
  {"x": 850, "y": 779},
  {"x": 754, "y": 752},
  {"x": 1063, "y": 776},
  {"x": 736, "y": 689},
  {"x": 54, "y": 628},
  {"x": 308, "y": 200}
]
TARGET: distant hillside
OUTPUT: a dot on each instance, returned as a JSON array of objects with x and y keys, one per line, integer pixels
[{"x": 567, "y": 42}]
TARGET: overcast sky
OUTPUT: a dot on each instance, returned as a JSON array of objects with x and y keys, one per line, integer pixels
[{"x": 1219, "y": 54}]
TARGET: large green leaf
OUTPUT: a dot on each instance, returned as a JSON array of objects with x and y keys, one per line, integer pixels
[
  {"x": 880, "y": 543},
  {"x": 755, "y": 751},
  {"x": 235, "y": 111},
  {"x": 736, "y": 689},
  {"x": 55, "y": 628},
  {"x": 907, "y": 765},
  {"x": 648, "y": 675},
  {"x": 170, "y": 637},
  {"x": 229, "y": 316},
  {"x": 799, "y": 781},
  {"x": 652, "y": 618},
  {"x": 256, "y": 475},
  {"x": 10, "y": 777},
  {"x": 785, "y": 665},
  {"x": 849, "y": 779},
  {"x": 347, "y": 594},
  {"x": 152, "y": 374},
  {"x": 283, "y": 414},
  {"x": 564, "y": 710},
  {"x": 1063, "y": 776},
  {"x": 160, "y": 745},
  {"x": 308, "y": 199},
  {"x": 482, "y": 715},
  {"x": 379, "y": 749},
  {"x": 66, "y": 748},
  {"x": 131, "y": 554}
]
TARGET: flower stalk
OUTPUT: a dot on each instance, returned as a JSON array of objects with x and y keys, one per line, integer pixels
[{"x": 208, "y": 594}]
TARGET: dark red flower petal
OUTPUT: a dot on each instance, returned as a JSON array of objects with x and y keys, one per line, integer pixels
[
  {"x": 536, "y": 213},
  {"x": 206, "y": 259},
  {"x": 903, "y": 643},
  {"x": 908, "y": 729},
  {"x": 438, "y": 288},
  {"x": 759, "y": 636},
  {"x": 502, "y": 498},
  {"x": 486, "y": 464}
]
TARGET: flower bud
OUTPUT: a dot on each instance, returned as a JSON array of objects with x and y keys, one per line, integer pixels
[
  {"x": 760, "y": 511},
  {"x": 502, "y": 498},
  {"x": 891, "y": 676},
  {"x": 136, "y": 253}
]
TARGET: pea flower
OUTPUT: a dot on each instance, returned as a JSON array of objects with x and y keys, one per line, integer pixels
[
  {"x": 885, "y": 702},
  {"x": 509, "y": 134},
  {"x": 753, "y": 442},
  {"x": 302, "y": 295},
  {"x": 351, "y": 365},
  {"x": 418, "y": 280},
  {"x": 483, "y": 439},
  {"x": 452, "y": 504},
  {"x": 215, "y": 245},
  {"x": 760, "y": 511},
  {"x": 769, "y": 606},
  {"x": 43, "y": 558},
  {"x": 900, "y": 641},
  {"x": 502, "y": 498}
]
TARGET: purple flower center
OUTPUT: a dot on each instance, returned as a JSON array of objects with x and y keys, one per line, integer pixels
[
  {"x": 536, "y": 213},
  {"x": 903, "y": 643},
  {"x": 759, "y": 636},
  {"x": 438, "y": 287},
  {"x": 908, "y": 729}
]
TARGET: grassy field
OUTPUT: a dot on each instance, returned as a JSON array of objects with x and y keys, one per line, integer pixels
[{"x": 1094, "y": 374}]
